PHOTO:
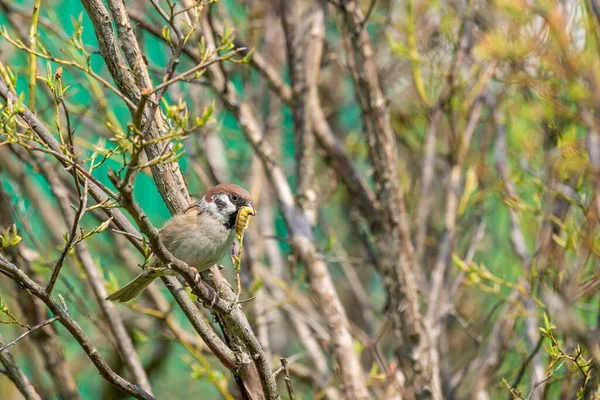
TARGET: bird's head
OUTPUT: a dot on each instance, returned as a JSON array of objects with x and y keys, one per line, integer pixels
[{"x": 224, "y": 201}]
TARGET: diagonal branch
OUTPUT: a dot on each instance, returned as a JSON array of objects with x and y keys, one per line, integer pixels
[
  {"x": 29, "y": 331},
  {"x": 14, "y": 373},
  {"x": 73, "y": 327},
  {"x": 192, "y": 313}
]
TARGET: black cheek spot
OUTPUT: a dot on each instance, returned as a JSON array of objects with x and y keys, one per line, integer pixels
[{"x": 220, "y": 203}]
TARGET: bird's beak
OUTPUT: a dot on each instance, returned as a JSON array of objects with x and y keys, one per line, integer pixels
[{"x": 249, "y": 209}]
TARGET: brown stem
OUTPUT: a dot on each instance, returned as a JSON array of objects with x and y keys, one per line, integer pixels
[
  {"x": 65, "y": 319},
  {"x": 14, "y": 373}
]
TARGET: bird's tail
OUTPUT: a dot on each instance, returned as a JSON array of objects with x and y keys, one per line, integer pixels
[{"x": 137, "y": 286}]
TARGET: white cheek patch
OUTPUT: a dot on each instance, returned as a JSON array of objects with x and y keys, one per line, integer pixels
[
  {"x": 222, "y": 213},
  {"x": 229, "y": 208}
]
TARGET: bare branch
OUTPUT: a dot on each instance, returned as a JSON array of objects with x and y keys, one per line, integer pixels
[
  {"x": 30, "y": 330},
  {"x": 14, "y": 373},
  {"x": 65, "y": 319}
]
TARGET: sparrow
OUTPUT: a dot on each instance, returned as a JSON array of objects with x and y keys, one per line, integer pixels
[{"x": 200, "y": 236}]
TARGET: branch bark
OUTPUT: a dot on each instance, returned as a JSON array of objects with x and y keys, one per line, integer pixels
[
  {"x": 304, "y": 138},
  {"x": 46, "y": 339},
  {"x": 123, "y": 223},
  {"x": 416, "y": 356},
  {"x": 302, "y": 239},
  {"x": 14, "y": 373},
  {"x": 69, "y": 323},
  {"x": 168, "y": 177}
]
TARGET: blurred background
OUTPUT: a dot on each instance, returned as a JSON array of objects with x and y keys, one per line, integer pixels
[{"x": 440, "y": 160}]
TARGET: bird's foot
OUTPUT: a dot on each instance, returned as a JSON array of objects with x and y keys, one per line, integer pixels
[
  {"x": 213, "y": 301},
  {"x": 197, "y": 277},
  {"x": 214, "y": 296}
]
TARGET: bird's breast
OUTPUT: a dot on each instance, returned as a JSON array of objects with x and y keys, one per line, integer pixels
[{"x": 198, "y": 242}]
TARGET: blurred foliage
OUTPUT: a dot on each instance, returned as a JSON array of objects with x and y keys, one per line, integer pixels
[{"x": 541, "y": 82}]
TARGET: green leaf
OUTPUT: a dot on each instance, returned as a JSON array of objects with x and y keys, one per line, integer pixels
[
  {"x": 166, "y": 34},
  {"x": 459, "y": 262},
  {"x": 547, "y": 324},
  {"x": 140, "y": 336},
  {"x": 330, "y": 243},
  {"x": 202, "y": 46},
  {"x": 470, "y": 187},
  {"x": 49, "y": 74},
  {"x": 65, "y": 90},
  {"x": 358, "y": 346},
  {"x": 10, "y": 237},
  {"x": 102, "y": 227},
  {"x": 15, "y": 240},
  {"x": 248, "y": 57},
  {"x": 208, "y": 111}
]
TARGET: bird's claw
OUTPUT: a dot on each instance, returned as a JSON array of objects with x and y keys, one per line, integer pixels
[
  {"x": 213, "y": 301},
  {"x": 215, "y": 296},
  {"x": 197, "y": 278}
]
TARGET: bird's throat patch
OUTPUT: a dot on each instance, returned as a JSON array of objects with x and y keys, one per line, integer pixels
[{"x": 230, "y": 224}]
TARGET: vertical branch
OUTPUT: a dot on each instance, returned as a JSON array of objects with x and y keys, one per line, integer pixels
[
  {"x": 274, "y": 43},
  {"x": 439, "y": 272},
  {"x": 517, "y": 239},
  {"x": 435, "y": 114},
  {"x": 593, "y": 150},
  {"x": 427, "y": 174},
  {"x": 32, "y": 57},
  {"x": 304, "y": 138},
  {"x": 129, "y": 45},
  {"x": 393, "y": 241},
  {"x": 167, "y": 176},
  {"x": 288, "y": 380},
  {"x": 302, "y": 239}
]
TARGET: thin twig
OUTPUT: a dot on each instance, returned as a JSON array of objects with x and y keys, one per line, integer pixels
[
  {"x": 73, "y": 327},
  {"x": 71, "y": 240},
  {"x": 14, "y": 373},
  {"x": 286, "y": 378},
  {"x": 134, "y": 236},
  {"x": 30, "y": 330}
]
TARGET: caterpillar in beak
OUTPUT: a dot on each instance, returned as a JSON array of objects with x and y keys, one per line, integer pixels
[{"x": 242, "y": 220}]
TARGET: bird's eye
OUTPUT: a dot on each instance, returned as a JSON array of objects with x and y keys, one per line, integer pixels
[{"x": 234, "y": 197}]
